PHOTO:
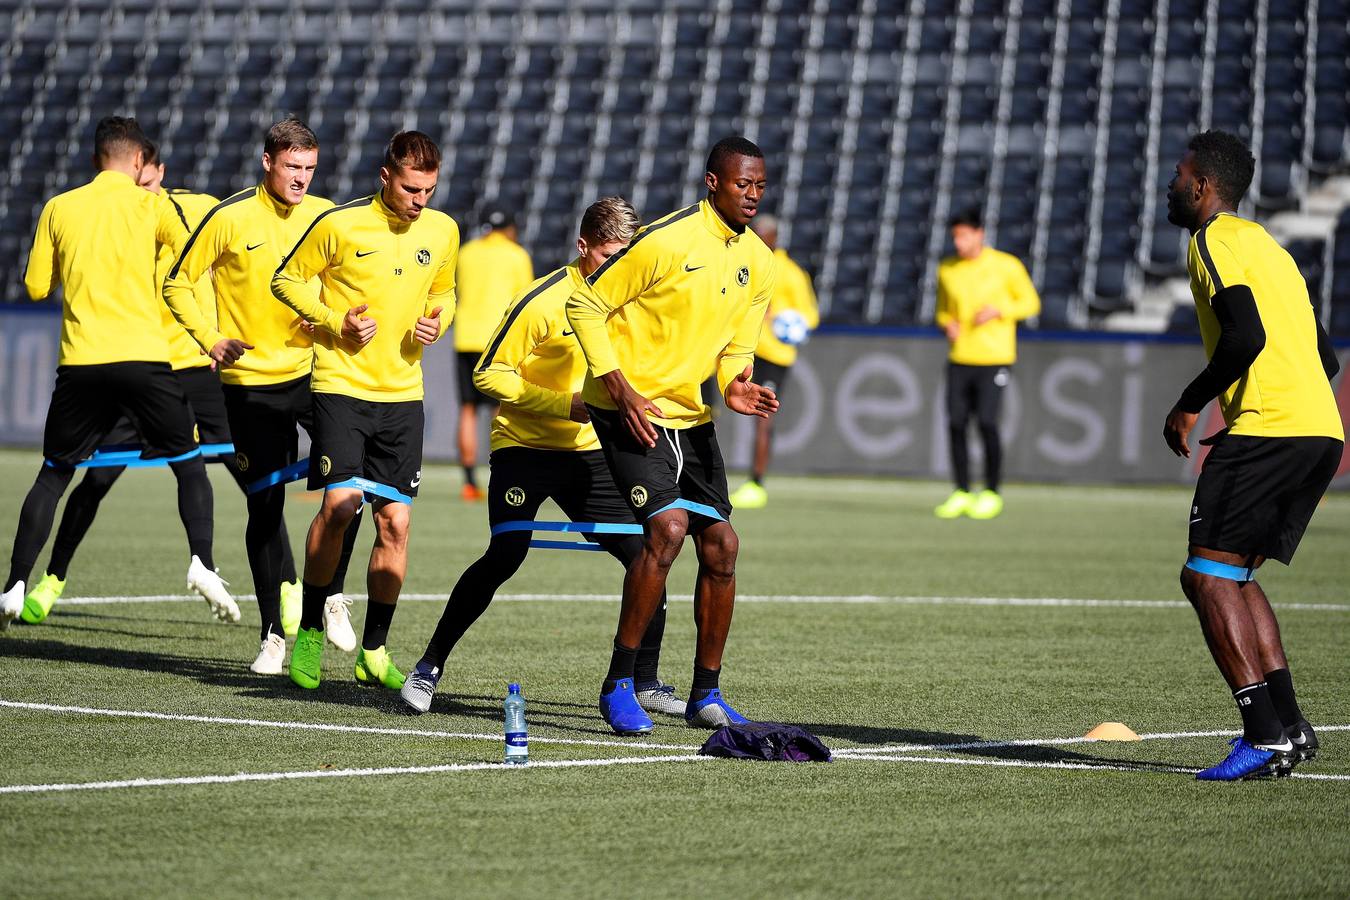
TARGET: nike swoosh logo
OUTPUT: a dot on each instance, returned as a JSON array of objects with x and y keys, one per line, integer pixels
[
  {"x": 360, "y": 254},
  {"x": 568, "y": 333},
  {"x": 689, "y": 268},
  {"x": 415, "y": 483},
  {"x": 254, "y": 246},
  {"x": 1282, "y": 748},
  {"x": 1193, "y": 521}
]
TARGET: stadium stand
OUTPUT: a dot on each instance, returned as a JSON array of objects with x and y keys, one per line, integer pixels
[{"x": 1060, "y": 118}]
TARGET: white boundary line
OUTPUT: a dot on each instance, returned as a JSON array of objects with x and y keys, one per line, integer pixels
[{"x": 1085, "y": 602}]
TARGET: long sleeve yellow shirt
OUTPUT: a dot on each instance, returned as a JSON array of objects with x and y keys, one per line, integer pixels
[
  {"x": 492, "y": 270},
  {"x": 362, "y": 253},
  {"x": 965, "y": 286},
  {"x": 687, "y": 297},
  {"x": 183, "y": 350},
  {"x": 792, "y": 291},
  {"x": 533, "y": 365},
  {"x": 241, "y": 242},
  {"x": 100, "y": 242}
]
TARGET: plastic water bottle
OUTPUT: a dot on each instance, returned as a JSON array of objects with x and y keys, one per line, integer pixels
[{"x": 517, "y": 738}]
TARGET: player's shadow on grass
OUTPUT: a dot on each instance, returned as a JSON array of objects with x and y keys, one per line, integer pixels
[{"x": 218, "y": 672}]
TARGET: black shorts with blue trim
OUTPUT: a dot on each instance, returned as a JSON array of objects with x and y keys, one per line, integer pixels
[
  {"x": 1256, "y": 495},
  {"x": 469, "y": 394},
  {"x": 89, "y": 401},
  {"x": 578, "y": 481},
  {"x": 205, "y": 395},
  {"x": 684, "y": 469},
  {"x": 367, "y": 444},
  {"x": 263, "y": 419}
]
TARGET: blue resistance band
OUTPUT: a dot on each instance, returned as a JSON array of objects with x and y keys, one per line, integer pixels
[
  {"x": 131, "y": 457},
  {"x": 373, "y": 489},
  {"x": 294, "y": 472},
  {"x": 699, "y": 508},
  {"x": 573, "y": 527},
  {"x": 1240, "y": 574}
]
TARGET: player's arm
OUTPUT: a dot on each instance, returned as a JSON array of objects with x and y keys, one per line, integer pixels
[
  {"x": 206, "y": 245},
  {"x": 1330, "y": 364},
  {"x": 315, "y": 252},
  {"x": 42, "y": 275},
  {"x": 498, "y": 371},
  {"x": 946, "y": 309},
  {"x": 431, "y": 325},
  {"x": 736, "y": 364},
  {"x": 1025, "y": 301}
]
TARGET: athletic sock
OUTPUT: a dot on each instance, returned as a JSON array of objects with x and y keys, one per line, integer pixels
[
  {"x": 35, "y": 521},
  {"x": 1260, "y": 724},
  {"x": 81, "y": 508},
  {"x": 311, "y": 614},
  {"x": 269, "y": 612},
  {"x": 348, "y": 542},
  {"x": 196, "y": 507},
  {"x": 993, "y": 456},
  {"x": 960, "y": 453},
  {"x": 469, "y": 478},
  {"x": 1281, "y": 686},
  {"x": 705, "y": 681},
  {"x": 378, "y": 618},
  {"x": 649, "y": 653},
  {"x": 621, "y": 665}
]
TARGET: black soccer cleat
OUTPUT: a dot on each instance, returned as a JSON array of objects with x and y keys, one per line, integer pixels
[{"x": 1304, "y": 739}]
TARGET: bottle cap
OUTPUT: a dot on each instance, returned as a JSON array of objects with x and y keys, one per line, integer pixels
[{"x": 513, "y": 688}]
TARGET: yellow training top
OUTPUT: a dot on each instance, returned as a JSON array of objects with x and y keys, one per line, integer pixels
[
  {"x": 492, "y": 270},
  {"x": 965, "y": 286},
  {"x": 1285, "y": 393},
  {"x": 183, "y": 350},
  {"x": 686, "y": 296},
  {"x": 534, "y": 366},
  {"x": 363, "y": 253},
  {"x": 793, "y": 291},
  {"x": 100, "y": 242},
  {"x": 241, "y": 242}
]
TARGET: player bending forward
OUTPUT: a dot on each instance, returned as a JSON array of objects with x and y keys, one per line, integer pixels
[{"x": 386, "y": 267}]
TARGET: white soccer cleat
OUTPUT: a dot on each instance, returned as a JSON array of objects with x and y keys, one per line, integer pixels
[
  {"x": 337, "y": 623},
  {"x": 271, "y": 656},
  {"x": 11, "y": 604},
  {"x": 211, "y": 587}
]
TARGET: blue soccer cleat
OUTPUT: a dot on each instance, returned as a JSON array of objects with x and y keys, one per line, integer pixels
[
  {"x": 712, "y": 711},
  {"x": 620, "y": 710},
  {"x": 1248, "y": 761}
]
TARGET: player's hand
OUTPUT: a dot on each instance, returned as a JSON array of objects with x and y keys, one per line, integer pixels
[
  {"x": 987, "y": 314},
  {"x": 1176, "y": 429},
  {"x": 357, "y": 327},
  {"x": 579, "y": 412},
  {"x": 428, "y": 327},
  {"x": 304, "y": 325},
  {"x": 226, "y": 352},
  {"x": 750, "y": 399},
  {"x": 953, "y": 330},
  {"x": 633, "y": 408}
]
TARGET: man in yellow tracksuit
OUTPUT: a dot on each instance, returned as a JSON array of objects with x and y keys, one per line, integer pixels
[
  {"x": 386, "y": 266},
  {"x": 982, "y": 294},
  {"x": 775, "y": 356}
]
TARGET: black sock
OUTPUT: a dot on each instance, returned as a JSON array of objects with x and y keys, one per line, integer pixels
[
  {"x": 348, "y": 542},
  {"x": 468, "y": 477},
  {"x": 621, "y": 665},
  {"x": 1281, "y": 686},
  {"x": 378, "y": 617},
  {"x": 649, "y": 654},
  {"x": 1260, "y": 724},
  {"x": 960, "y": 457},
  {"x": 473, "y": 593},
  {"x": 311, "y": 615},
  {"x": 269, "y": 612},
  {"x": 35, "y": 521},
  {"x": 993, "y": 456},
  {"x": 196, "y": 507},
  {"x": 81, "y": 508},
  {"x": 705, "y": 680},
  {"x": 757, "y": 478}
]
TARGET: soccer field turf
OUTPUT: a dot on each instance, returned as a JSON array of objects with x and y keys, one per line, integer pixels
[{"x": 949, "y": 665}]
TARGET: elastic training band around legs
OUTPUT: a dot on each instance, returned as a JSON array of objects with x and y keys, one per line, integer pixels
[
  {"x": 1216, "y": 569},
  {"x": 574, "y": 527},
  {"x": 565, "y": 545},
  {"x": 294, "y": 472},
  {"x": 373, "y": 489},
  {"x": 701, "y": 509}
]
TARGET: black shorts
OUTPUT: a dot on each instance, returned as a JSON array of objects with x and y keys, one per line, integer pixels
[
  {"x": 380, "y": 442},
  {"x": 88, "y": 402},
  {"x": 578, "y": 481},
  {"x": 263, "y": 419},
  {"x": 465, "y": 363},
  {"x": 771, "y": 375},
  {"x": 975, "y": 389},
  {"x": 1256, "y": 495},
  {"x": 202, "y": 388},
  {"x": 685, "y": 465}
]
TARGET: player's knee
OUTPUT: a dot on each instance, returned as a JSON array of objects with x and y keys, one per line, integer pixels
[
  {"x": 718, "y": 551},
  {"x": 665, "y": 536},
  {"x": 391, "y": 523},
  {"x": 340, "y": 507},
  {"x": 54, "y": 479}
]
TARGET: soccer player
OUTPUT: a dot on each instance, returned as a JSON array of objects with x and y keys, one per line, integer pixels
[
  {"x": 264, "y": 358},
  {"x": 792, "y": 294},
  {"x": 99, "y": 242},
  {"x": 1270, "y": 365},
  {"x": 687, "y": 295},
  {"x": 543, "y": 446},
  {"x": 386, "y": 265},
  {"x": 982, "y": 294},
  {"x": 492, "y": 270}
]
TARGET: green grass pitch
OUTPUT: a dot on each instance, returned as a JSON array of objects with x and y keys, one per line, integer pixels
[{"x": 841, "y": 630}]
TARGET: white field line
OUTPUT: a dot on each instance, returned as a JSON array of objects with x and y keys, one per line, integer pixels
[
  {"x": 1093, "y": 767},
  {"x": 1051, "y": 742},
  {"x": 879, "y": 599},
  {"x": 320, "y": 726},
  {"x": 339, "y": 773}
]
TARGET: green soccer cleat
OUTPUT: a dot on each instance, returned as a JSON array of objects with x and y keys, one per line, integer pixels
[
  {"x": 376, "y": 667},
  {"x": 955, "y": 506},
  {"x": 307, "y": 657},
  {"x": 750, "y": 496},
  {"x": 40, "y": 599},
  {"x": 987, "y": 505},
  {"x": 292, "y": 603}
]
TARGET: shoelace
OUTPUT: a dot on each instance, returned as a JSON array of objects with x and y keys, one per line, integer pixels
[{"x": 338, "y": 600}]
